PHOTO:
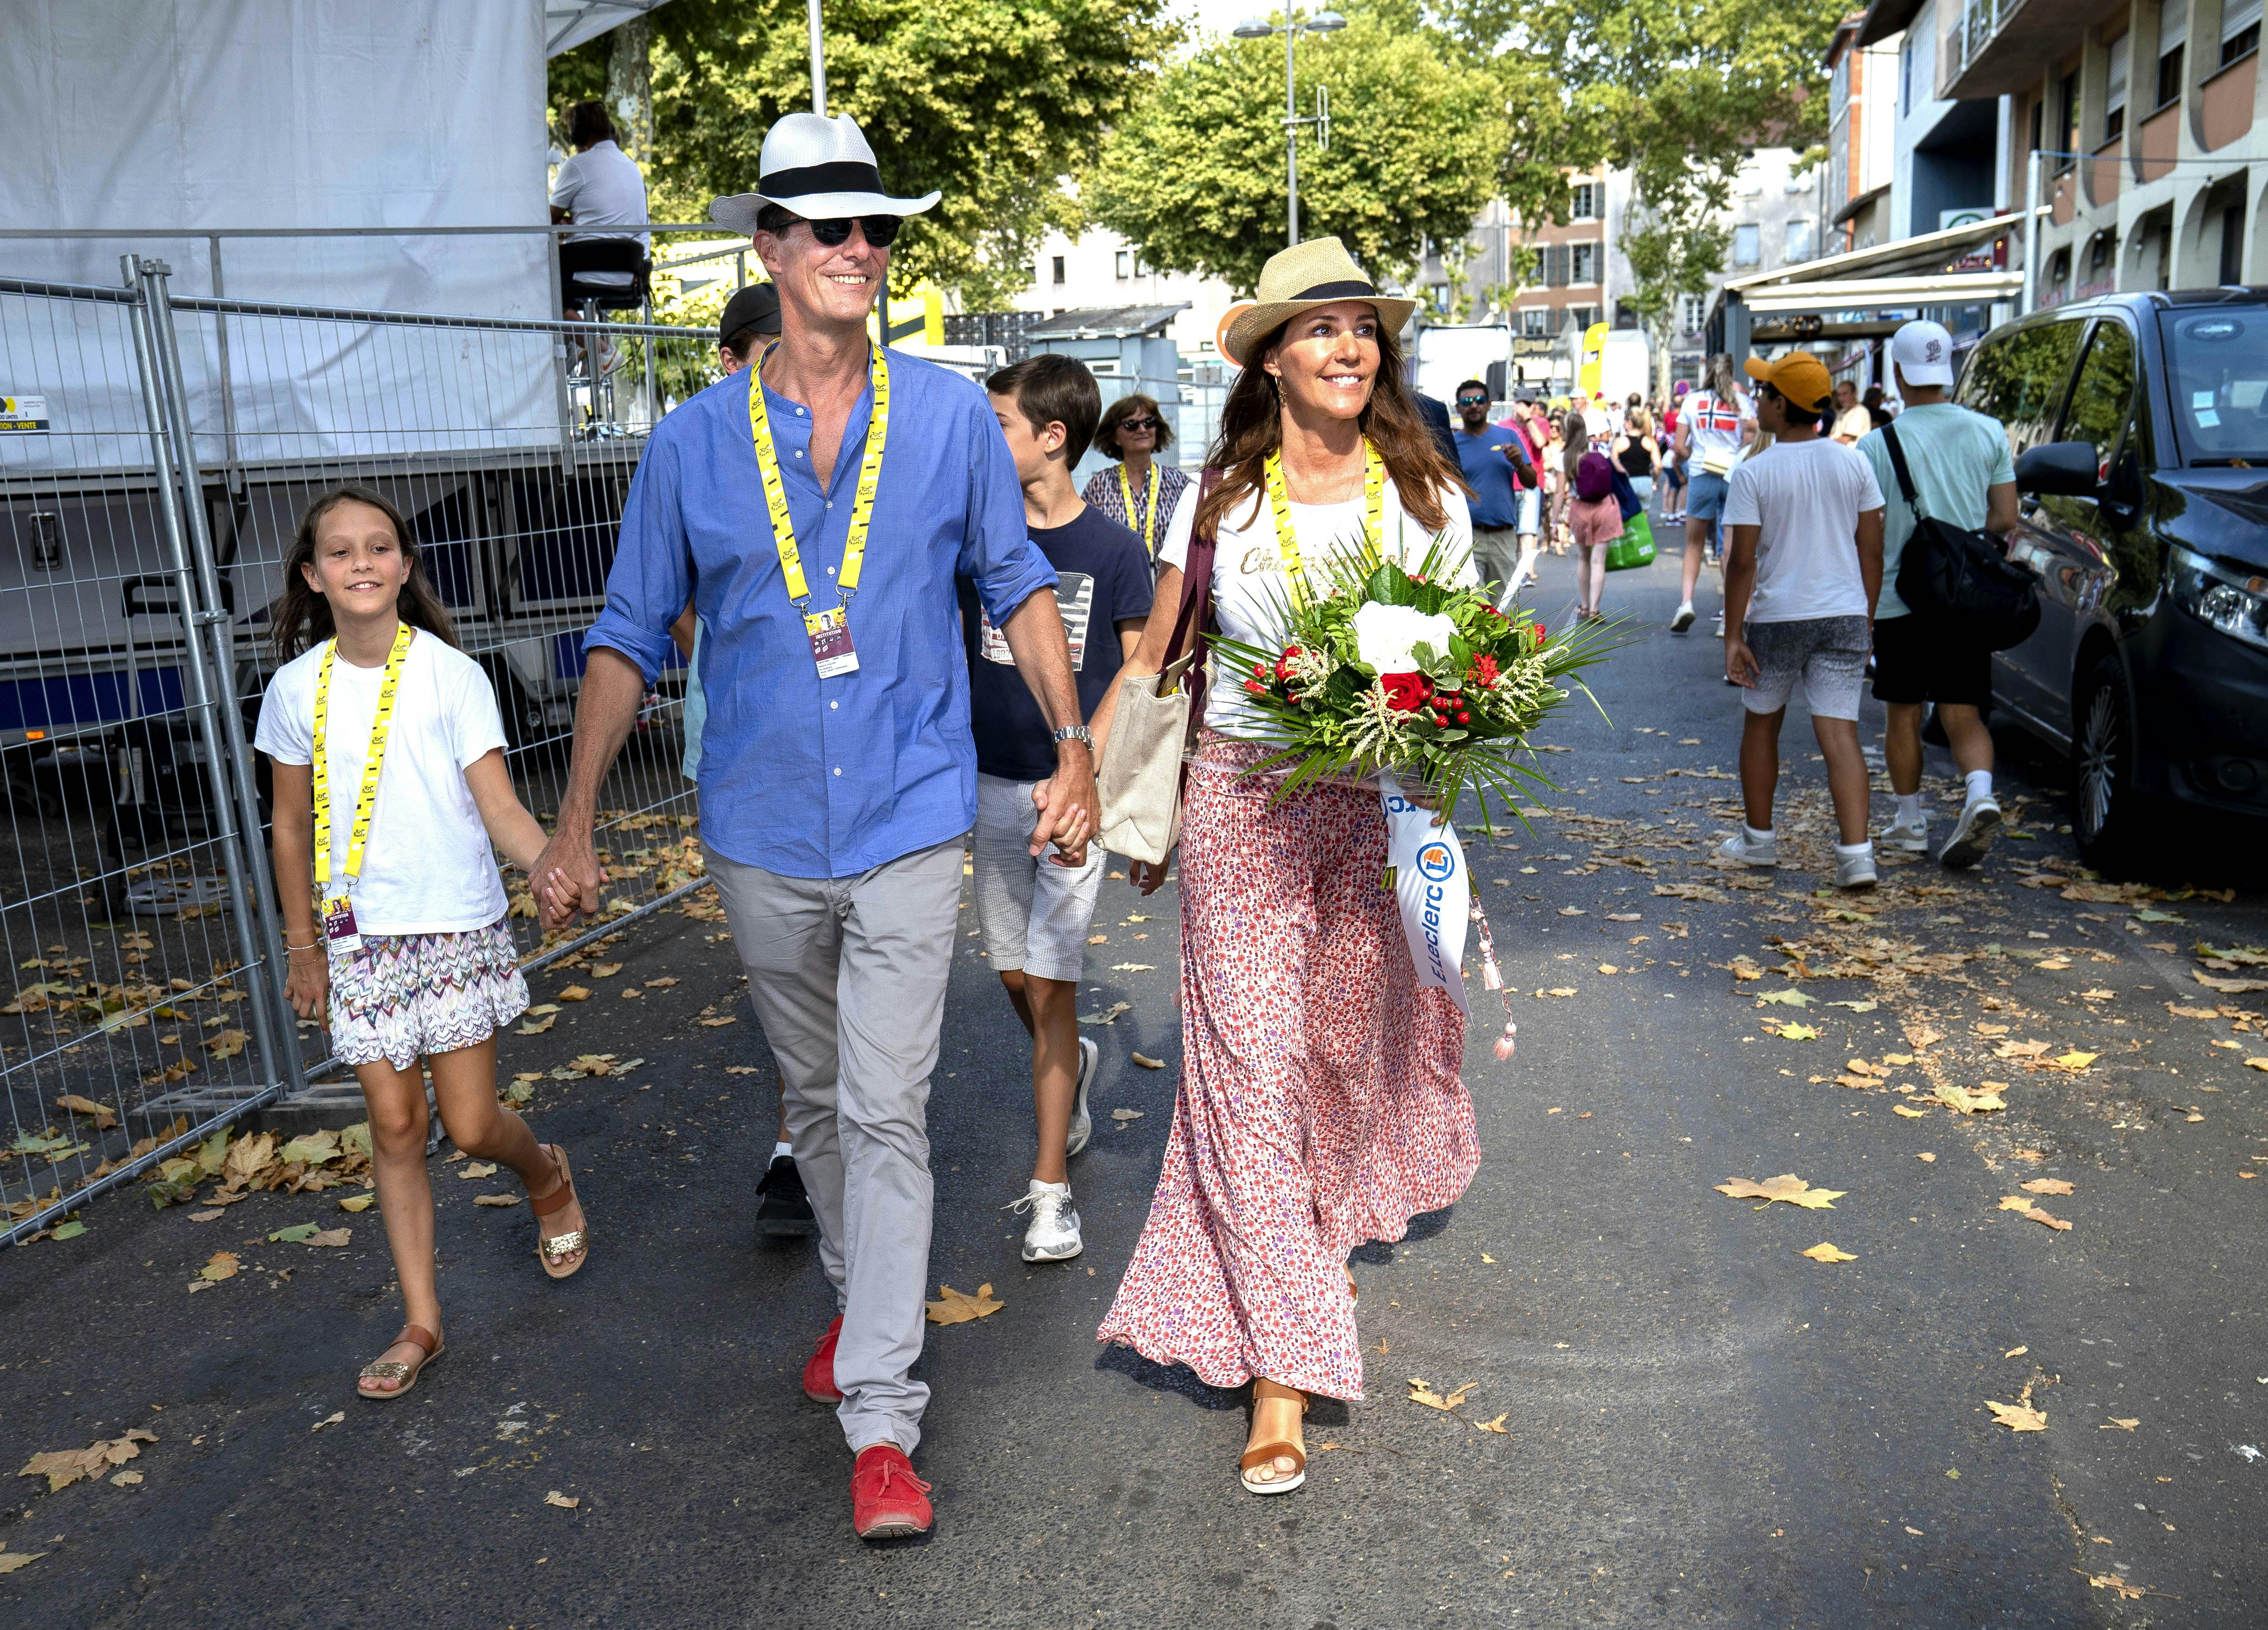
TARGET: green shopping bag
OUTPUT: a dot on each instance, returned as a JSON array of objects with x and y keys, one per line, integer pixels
[{"x": 1634, "y": 548}]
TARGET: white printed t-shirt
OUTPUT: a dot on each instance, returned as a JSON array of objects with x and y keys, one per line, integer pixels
[
  {"x": 1715, "y": 426},
  {"x": 428, "y": 867},
  {"x": 1805, "y": 499},
  {"x": 1249, "y": 590}
]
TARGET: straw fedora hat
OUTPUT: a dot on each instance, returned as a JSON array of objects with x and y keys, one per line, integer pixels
[
  {"x": 1318, "y": 272},
  {"x": 820, "y": 169}
]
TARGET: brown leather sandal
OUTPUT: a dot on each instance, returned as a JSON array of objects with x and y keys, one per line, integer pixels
[
  {"x": 1262, "y": 1454},
  {"x": 559, "y": 1247},
  {"x": 395, "y": 1370}
]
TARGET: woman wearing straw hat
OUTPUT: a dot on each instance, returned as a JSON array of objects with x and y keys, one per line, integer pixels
[
  {"x": 1320, "y": 1104},
  {"x": 1138, "y": 492}
]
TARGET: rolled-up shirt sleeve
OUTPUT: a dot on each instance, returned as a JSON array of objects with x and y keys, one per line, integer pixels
[
  {"x": 997, "y": 554},
  {"x": 652, "y": 575}
]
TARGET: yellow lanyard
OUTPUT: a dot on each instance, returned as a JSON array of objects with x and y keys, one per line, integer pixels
[
  {"x": 1150, "y": 510},
  {"x": 862, "y": 508},
  {"x": 1287, "y": 541},
  {"x": 367, "y": 799}
]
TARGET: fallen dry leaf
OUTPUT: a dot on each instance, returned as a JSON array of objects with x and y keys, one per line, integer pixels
[
  {"x": 207, "y": 1216},
  {"x": 1421, "y": 1393},
  {"x": 104, "y": 1116},
  {"x": 1126, "y": 1114},
  {"x": 536, "y": 1027},
  {"x": 2046, "y": 1185},
  {"x": 1926, "y": 1157},
  {"x": 475, "y": 1168},
  {"x": 2017, "y": 1417},
  {"x": 62, "y": 1467},
  {"x": 1496, "y": 1425},
  {"x": 330, "y": 1420},
  {"x": 10, "y": 1561},
  {"x": 1147, "y": 1062},
  {"x": 566, "y": 1502},
  {"x": 954, "y": 1308},
  {"x": 222, "y": 1265},
  {"x": 228, "y": 1044},
  {"x": 605, "y": 969},
  {"x": 2112, "y": 1583},
  {"x": 495, "y": 1200},
  {"x": 1967, "y": 1102},
  {"x": 329, "y": 1236},
  {"x": 1825, "y": 1252},
  {"x": 2015, "y": 1352},
  {"x": 2115, "y": 1424},
  {"x": 723, "y": 1019},
  {"x": 575, "y": 993},
  {"x": 1911, "y": 1114},
  {"x": 356, "y": 1202},
  {"x": 2075, "y": 1061},
  {"x": 1795, "y": 1032},
  {"x": 2023, "y": 1207},
  {"x": 1788, "y": 1188}
]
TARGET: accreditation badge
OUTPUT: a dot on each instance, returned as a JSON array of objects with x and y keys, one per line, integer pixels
[
  {"x": 830, "y": 642},
  {"x": 340, "y": 935}
]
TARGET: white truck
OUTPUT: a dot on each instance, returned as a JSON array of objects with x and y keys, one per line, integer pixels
[{"x": 1449, "y": 354}]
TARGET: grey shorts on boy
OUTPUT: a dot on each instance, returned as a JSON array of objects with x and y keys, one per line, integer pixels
[
  {"x": 1829, "y": 654},
  {"x": 1033, "y": 913}
]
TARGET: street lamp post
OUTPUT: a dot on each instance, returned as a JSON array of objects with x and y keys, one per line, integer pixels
[{"x": 1321, "y": 23}]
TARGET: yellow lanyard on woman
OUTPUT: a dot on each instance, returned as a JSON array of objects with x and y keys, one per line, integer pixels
[
  {"x": 367, "y": 800},
  {"x": 1287, "y": 541},
  {"x": 830, "y": 630},
  {"x": 1150, "y": 510}
]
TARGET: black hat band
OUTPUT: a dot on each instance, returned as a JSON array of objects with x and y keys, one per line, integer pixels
[
  {"x": 1346, "y": 289},
  {"x": 842, "y": 176}
]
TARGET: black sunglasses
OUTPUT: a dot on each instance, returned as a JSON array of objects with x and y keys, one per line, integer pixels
[
  {"x": 881, "y": 230},
  {"x": 1472, "y": 402},
  {"x": 1146, "y": 422}
]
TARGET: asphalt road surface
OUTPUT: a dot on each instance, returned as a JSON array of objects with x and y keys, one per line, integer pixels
[{"x": 1701, "y": 1426}]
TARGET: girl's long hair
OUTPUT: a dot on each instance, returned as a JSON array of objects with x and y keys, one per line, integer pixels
[
  {"x": 302, "y": 616},
  {"x": 1575, "y": 435},
  {"x": 1251, "y": 428},
  {"x": 1723, "y": 383}
]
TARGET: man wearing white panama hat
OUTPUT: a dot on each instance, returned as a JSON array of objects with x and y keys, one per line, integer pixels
[{"x": 837, "y": 771}]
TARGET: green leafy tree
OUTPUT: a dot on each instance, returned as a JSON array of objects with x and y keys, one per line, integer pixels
[
  {"x": 989, "y": 101},
  {"x": 1194, "y": 174}
]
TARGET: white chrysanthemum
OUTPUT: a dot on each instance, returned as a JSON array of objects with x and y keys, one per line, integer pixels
[{"x": 1386, "y": 635}]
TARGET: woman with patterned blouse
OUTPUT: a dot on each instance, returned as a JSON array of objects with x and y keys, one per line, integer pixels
[{"x": 1138, "y": 492}]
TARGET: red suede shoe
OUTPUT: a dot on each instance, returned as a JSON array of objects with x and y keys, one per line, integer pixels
[
  {"x": 887, "y": 1499},
  {"x": 819, "y": 1369}
]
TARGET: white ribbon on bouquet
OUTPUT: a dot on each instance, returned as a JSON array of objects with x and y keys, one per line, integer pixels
[{"x": 1434, "y": 886}]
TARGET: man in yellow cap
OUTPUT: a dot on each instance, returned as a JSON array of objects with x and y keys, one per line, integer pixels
[{"x": 1803, "y": 567}]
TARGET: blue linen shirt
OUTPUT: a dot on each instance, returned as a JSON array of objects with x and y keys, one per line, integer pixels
[
  {"x": 804, "y": 776},
  {"x": 1489, "y": 474}
]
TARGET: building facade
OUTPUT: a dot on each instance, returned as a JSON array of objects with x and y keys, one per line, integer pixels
[{"x": 1861, "y": 138}]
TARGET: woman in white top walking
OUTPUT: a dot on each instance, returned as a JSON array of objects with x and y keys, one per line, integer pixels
[
  {"x": 1711, "y": 427},
  {"x": 390, "y": 788}
]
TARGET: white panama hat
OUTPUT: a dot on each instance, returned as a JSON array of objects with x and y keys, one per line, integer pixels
[{"x": 820, "y": 169}]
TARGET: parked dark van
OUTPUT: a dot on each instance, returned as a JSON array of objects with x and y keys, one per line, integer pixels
[{"x": 2139, "y": 425}]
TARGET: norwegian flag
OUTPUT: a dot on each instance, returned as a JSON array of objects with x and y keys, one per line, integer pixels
[{"x": 1711, "y": 413}]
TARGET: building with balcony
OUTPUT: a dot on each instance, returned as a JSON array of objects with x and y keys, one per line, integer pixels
[
  {"x": 1861, "y": 138},
  {"x": 2129, "y": 118},
  {"x": 1567, "y": 287}
]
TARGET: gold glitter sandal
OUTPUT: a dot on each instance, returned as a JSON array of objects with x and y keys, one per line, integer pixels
[
  {"x": 1264, "y": 1454},
  {"x": 405, "y": 1375},
  {"x": 552, "y": 1252}
]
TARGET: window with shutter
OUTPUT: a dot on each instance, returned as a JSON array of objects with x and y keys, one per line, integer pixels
[{"x": 2240, "y": 29}]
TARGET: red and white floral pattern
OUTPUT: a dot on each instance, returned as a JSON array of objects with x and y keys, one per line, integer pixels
[{"x": 1320, "y": 1104}]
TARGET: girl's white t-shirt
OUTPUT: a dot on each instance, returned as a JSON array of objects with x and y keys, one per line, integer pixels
[
  {"x": 429, "y": 867},
  {"x": 1249, "y": 591},
  {"x": 1716, "y": 424}
]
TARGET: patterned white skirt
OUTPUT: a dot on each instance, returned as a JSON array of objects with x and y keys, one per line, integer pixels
[{"x": 403, "y": 996}]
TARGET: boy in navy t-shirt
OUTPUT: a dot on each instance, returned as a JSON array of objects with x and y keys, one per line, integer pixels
[{"x": 1033, "y": 913}]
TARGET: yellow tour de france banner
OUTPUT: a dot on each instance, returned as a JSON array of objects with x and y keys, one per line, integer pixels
[{"x": 1594, "y": 347}]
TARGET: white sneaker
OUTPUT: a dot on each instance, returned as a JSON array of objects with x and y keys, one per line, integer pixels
[
  {"x": 1738, "y": 847},
  {"x": 1719, "y": 630},
  {"x": 1053, "y": 1236},
  {"x": 1684, "y": 619},
  {"x": 1855, "y": 871},
  {"x": 1972, "y": 834},
  {"x": 1082, "y": 1124},
  {"x": 1907, "y": 837}
]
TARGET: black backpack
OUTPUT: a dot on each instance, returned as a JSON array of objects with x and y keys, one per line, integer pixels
[{"x": 1962, "y": 582}]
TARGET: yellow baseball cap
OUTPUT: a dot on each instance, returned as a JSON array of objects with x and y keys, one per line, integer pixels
[{"x": 1798, "y": 376}]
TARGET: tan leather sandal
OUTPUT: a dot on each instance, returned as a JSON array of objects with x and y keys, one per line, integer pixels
[
  {"x": 552, "y": 1252},
  {"x": 405, "y": 1375},
  {"x": 1262, "y": 1454}
]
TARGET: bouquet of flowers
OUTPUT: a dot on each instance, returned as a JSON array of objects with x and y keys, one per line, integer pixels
[{"x": 1400, "y": 670}]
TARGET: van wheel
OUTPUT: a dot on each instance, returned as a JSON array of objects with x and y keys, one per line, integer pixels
[{"x": 2109, "y": 809}]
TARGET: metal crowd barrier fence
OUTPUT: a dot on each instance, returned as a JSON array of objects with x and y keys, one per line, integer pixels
[{"x": 147, "y": 532}]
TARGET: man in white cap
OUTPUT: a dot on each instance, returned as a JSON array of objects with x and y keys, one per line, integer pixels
[
  {"x": 837, "y": 772},
  {"x": 1958, "y": 462}
]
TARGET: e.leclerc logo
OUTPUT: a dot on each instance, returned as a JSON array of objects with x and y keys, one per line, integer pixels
[{"x": 1436, "y": 863}]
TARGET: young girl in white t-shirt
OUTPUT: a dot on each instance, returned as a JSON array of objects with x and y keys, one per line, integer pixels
[{"x": 397, "y": 934}]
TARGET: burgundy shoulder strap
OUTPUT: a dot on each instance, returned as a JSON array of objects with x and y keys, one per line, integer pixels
[{"x": 1197, "y": 581}]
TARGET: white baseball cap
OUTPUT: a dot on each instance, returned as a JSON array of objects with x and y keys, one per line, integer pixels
[{"x": 1923, "y": 351}]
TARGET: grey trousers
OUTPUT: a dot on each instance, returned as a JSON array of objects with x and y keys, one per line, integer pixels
[{"x": 848, "y": 976}]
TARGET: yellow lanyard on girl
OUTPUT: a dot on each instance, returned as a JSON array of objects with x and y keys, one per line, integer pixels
[
  {"x": 338, "y": 912},
  {"x": 1149, "y": 510},
  {"x": 1288, "y": 540},
  {"x": 828, "y": 630}
]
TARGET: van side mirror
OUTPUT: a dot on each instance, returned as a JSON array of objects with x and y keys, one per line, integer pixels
[{"x": 2066, "y": 469}]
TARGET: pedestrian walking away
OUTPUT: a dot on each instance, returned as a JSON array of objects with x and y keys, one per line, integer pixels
[
  {"x": 1140, "y": 491},
  {"x": 1960, "y": 467},
  {"x": 1034, "y": 910},
  {"x": 1496, "y": 460},
  {"x": 392, "y": 798},
  {"x": 1320, "y": 1104},
  {"x": 1802, "y": 569},
  {"x": 1637, "y": 451},
  {"x": 1593, "y": 513},
  {"x": 1711, "y": 427},
  {"x": 751, "y": 318},
  {"x": 1672, "y": 464},
  {"x": 838, "y": 773}
]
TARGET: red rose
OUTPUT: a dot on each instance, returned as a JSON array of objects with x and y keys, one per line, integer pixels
[{"x": 1405, "y": 692}]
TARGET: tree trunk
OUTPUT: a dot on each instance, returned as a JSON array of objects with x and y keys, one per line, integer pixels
[{"x": 629, "y": 86}]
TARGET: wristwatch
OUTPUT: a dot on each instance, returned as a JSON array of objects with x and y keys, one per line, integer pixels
[{"x": 1074, "y": 732}]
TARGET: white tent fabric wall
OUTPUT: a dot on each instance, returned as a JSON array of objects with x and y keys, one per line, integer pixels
[{"x": 205, "y": 114}]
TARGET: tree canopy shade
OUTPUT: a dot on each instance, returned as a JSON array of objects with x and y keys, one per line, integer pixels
[
  {"x": 1194, "y": 172},
  {"x": 991, "y": 101}
]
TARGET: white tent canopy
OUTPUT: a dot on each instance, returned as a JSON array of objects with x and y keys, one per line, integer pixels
[{"x": 570, "y": 23}]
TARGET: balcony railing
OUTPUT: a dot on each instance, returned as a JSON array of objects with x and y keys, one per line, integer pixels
[{"x": 1979, "y": 21}]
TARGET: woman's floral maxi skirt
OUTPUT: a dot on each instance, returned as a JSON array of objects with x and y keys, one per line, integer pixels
[{"x": 1320, "y": 1104}]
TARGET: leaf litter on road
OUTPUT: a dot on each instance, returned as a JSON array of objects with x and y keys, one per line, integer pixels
[
  {"x": 1788, "y": 1188},
  {"x": 1421, "y": 1393},
  {"x": 955, "y": 1307},
  {"x": 1824, "y": 1251},
  {"x": 62, "y": 1467}
]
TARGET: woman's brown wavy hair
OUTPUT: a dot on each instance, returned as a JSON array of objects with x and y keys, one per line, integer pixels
[
  {"x": 302, "y": 616},
  {"x": 1251, "y": 428}
]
